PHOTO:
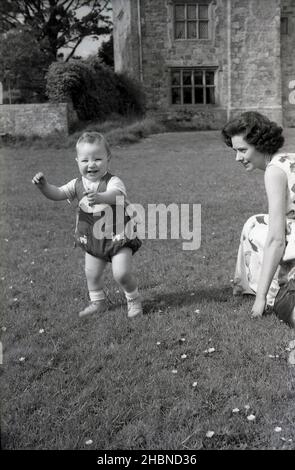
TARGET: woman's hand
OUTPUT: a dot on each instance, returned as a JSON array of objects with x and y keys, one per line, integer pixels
[
  {"x": 258, "y": 307},
  {"x": 39, "y": 179}
]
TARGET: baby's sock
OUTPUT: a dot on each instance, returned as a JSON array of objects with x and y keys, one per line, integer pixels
[
  {"x": 96, "y": 295},
  {"x": 132, "y": 295}
]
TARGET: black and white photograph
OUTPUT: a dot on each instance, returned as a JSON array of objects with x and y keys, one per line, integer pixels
[{"x": 147, "y": 229}]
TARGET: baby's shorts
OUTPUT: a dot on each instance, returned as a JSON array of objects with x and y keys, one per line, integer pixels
[{"x": 103, "y": 248}]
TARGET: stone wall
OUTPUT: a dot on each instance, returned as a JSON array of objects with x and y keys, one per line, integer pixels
[
  {"x": 191, "y": 117},
  {"x": 36, "y": 119},
  {"x": 148, "y": 51},
  {"x": 164, "y": 52},
  {"x": 255, "y": 57},
  {"x": 244, "y": 49},
  {"x": 288, "y": 63},
  {"x": 125, "y": 32}
]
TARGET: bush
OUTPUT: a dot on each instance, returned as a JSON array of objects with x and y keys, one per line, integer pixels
[
  {"x": 123, "y": 94},
  {"x": 131, "y": 95},
  {"x": 106, "y": 52},
  {"x": 91, "y": 93},
  {"x": 94, "y": 89},
  {"x": 105, "y": 80}
]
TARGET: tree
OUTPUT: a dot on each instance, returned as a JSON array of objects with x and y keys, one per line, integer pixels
[
  {"x": 57, "y": 23},
  {"x": 106, "y": 52},
  {"x": 23, "y": 65}
]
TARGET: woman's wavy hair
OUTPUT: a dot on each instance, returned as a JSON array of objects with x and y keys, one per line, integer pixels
[{"x": 257, "y": 130}]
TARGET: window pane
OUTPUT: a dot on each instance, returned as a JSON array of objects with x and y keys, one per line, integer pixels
[
  {"x": 187, "y": 78},
  {"x": 203, "y": 12},
  {"x": 179, "y": 30},
  {"x": 209, "y": 78},
  {"x": 199, "y": 96},
  {"x": 176, "y": 96},
  {"x": 199, "y": 78},
  {"x": 179, "y": 12},
  {"x": 175, "y": 79},
  {"x": 192, "y": 86},
  {"x": 203, "y": 29},
  {"x": 210, "y": 98},
  {"x": 191, "y": 12},
  {"x": 187, "y": 95},
  {"x": 191, "y": 30}
]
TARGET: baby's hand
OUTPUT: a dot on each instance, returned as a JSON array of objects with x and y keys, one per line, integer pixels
[
  {"x": 91, "y": 197},
  {"x": 39, "y": 179}
]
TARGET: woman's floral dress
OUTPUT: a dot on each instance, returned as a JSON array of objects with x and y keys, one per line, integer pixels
[{"x": 253, "y": 238}]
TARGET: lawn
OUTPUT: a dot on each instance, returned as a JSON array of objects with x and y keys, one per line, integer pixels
[{"x": 146, "y": 383}]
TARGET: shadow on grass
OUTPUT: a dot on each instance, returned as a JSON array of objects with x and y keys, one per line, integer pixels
[
  {"x": 180, "y": 299},
  {"x": 159, "y": 301}
]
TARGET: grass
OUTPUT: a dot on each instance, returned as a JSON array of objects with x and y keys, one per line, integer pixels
[{"x": 106, "y": 378}]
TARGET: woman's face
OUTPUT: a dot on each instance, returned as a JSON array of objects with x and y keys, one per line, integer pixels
[{"x": 247, "y": 155}]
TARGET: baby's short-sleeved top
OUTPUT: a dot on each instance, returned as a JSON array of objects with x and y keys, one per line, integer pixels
[
  {"x": 286, "y": 161},
  {"x": 114, "y": 183}
]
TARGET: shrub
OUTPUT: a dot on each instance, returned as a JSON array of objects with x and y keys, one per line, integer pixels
[
  {"x": 131, "y": 95},
  {"x": 94, "y": 89},
  {"x": 90, "y": 91},
  {"x": 106, "y": 86},
  {"x": 106, "y": 52}
]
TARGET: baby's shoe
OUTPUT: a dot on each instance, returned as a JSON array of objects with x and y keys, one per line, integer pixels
[
  {"x": 134, "y": 307},
  {"x": 98, "y": 306}
]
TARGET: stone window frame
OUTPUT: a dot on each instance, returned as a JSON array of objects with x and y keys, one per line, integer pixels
[
  {"x": 197, "y": 3},
  {"x": 284, "y": 25},
  {"x": 193, "y": 86}
]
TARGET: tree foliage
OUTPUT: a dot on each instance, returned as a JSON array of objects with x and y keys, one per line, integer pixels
[
  {"x": 106, "y": 52},
  {"x": 22, "y": 65},
  {"x": 57, "y": 23}
]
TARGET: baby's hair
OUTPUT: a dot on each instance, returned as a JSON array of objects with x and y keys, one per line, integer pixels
[
  {"x": 258, "y": 130},
  {"x": 92, "y": 137}
]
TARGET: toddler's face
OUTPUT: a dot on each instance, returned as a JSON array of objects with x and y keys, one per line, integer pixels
[{"x": 92, "y": 160}]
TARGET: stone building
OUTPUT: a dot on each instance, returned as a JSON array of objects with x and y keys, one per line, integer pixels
[{"x": 203, "y": 61}]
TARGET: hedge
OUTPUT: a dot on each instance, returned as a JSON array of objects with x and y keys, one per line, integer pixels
[{"x": 94, "y": 89}]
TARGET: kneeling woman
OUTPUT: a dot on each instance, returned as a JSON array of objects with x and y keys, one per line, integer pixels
[{"x": 266, "y": 258}]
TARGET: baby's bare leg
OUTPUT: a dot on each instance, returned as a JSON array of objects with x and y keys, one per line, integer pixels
[
  {"x": 121, "y": 265},
  {"x": 122, "y": 270},
  {"x": 94, "y": 268}
]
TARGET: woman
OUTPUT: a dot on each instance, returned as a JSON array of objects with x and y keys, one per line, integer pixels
[{"x": 266, "y": 258}]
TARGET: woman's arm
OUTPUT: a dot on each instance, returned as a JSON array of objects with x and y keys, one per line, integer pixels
[
  {"x": 276, "y": 186},
  {"x": 49, "y": 190}
]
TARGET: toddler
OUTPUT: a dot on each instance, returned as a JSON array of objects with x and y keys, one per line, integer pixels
[{"x": 96, "y": 191}]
